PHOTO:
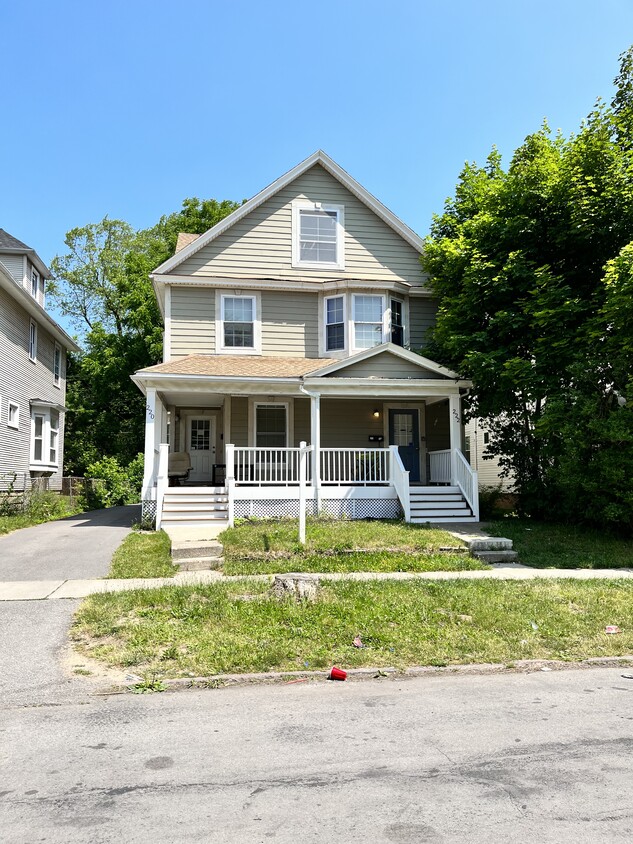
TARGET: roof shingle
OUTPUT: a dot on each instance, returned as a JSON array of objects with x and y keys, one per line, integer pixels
[
  {"x": 239, "y": 366},
  {"x": 7, "y": 241}
]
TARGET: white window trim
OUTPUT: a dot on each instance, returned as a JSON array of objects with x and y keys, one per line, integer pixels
[
  {"x": 326, "y": 299},
  {"x": 57, "y": 377},
  {"x": 220, "y": 348},
  {"x": 253, "y": 404},
  {"x": 386, "y": 319},
  {"x": 35, "y": 282},
  {"x": 297, "y": 206},
  {"x": 10, "y": 424},
  {"x": 33, "y": 352},
  {"x": 45, "y": 412}
]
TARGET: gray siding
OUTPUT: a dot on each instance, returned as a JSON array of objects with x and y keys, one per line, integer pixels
[
  {"x": 302, "y": 421},
  {"x": 260, "y": 244},
  {"x": 438, "y": 435},
  {"x": 422, "y": 313},
  {"x": 192, "y": 321},
  {"x": 21, "y": 381},
  {"x": 239, "y": 421},
  {"x": 347, "y": 423},
  {"x": 290, "y": 324},
  {"x": 15, "y": 267},
  {"x": 384, "y": 366}
]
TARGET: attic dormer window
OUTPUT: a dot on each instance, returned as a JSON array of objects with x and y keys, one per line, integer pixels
[
  {"x": 35, "y": 282},
  {"x": 318, "y": 235}
]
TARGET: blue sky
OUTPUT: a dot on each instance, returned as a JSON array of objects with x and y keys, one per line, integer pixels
[{"x": 126, "y": 108}]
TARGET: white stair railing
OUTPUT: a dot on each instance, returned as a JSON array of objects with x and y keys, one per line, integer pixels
[
  {"x": 440, "y": 466},
  {"x": 400, "y": 481},
  {"x": 466, "y": 480},
  {"x": 162, "y": 481}
]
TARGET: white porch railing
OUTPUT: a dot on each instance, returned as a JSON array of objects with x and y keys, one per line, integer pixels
[
  {"x": 440, "y": 466},
  {"x": 358, "y": 466},
  {"x": 466, "y": 480},
  {"x": 266, "y": 466},
  {"x": 400, "y": 480},
  {"x": 162, "y": 481}
]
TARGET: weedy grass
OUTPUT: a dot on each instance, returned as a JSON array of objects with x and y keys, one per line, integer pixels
[
  {"x": 143, "y": 555},
  {"x": 382, "y": 561},
  {"x": 564, "y": 546},
  {"x": 239, "y": 627}
]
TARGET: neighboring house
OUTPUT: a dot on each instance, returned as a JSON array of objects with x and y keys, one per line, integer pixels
[
  {"x": 476, "y": 448},
  {"x": 292, "y": 321},
  {"x": 33, "y": 351}
]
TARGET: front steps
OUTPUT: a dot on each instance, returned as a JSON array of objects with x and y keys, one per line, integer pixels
[
  {"x": 202, "y": 510},
  {"x": 439, "y": 504}
]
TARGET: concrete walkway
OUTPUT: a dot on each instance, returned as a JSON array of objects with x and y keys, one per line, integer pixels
[
  {"x": 76, "y": 547},
  {"x": 51, "y": 590}
]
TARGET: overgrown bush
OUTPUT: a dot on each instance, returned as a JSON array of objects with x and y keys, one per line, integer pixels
[
  {"x": 489, "y": 498},
  {"x": 113, "y": 484},
  {"x": 46, "y": 506}
]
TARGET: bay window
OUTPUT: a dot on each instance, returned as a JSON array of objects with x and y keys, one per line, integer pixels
[
  {"x": 368, "y": 318},
  {"x": 334, "y": 323},
  {"x": 45, "y": 424}
]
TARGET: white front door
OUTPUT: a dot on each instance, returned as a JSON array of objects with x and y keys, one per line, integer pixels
[{"x": 201, "y": 448}]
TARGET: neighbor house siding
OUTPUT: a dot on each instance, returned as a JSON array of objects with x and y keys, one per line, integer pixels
[
  {"x": 15, "y": 267},
  {"x": 290, "y": 324},
  {"x": 21, "y": 381},
  {"x": 487, "y": 470},
  {"x": 260, "y": 244},
  {"x": 192, "y": 321},
  {"x": 422, "y": 315},
  {"x": 384, "y": 366}
]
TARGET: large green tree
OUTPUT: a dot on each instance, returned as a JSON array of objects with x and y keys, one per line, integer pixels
[
  {"x": 102, "y": 284},
  {"x": 522, "y": 262}
]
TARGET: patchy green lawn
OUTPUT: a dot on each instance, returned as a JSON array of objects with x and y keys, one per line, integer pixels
[
  {"x": 564, "y": 546},
  {"x": 11, "y": 523},
  {"x": 239, "y": 627},
  {"x": 354, "y": 561},
  {"x": 143, "y": 555},
  {"x": 265, "y": 547}
]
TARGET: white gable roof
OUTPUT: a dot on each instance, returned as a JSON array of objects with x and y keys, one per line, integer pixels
[{"x": 319, "y": 157}]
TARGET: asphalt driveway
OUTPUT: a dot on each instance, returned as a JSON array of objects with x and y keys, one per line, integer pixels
[{"x": 74, "y": 548}]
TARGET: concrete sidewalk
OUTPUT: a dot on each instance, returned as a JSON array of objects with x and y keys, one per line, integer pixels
[{"x": 51, "y": 590}]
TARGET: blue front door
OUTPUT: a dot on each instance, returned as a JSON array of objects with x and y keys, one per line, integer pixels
[{"x": 404, "y": 431}]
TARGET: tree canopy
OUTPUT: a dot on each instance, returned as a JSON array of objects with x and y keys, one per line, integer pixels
[
  {"x": 532, "y": 266},
  {"x": 102, "y": 284}
]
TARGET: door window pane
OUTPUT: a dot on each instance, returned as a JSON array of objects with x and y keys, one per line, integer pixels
[
  {"x": 402, "y": 429},
  {"x": 200, "y": 435}
]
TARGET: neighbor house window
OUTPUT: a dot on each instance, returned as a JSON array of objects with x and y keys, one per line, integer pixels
[
  {"x": 45, "y": 422},
  {"x": 33, "y": 340},
  {"x": 368, "y": 314},
  {"x": 334, "y": 323},
  {"x": 53, "y": 437},
  {"x": 238, "y": 322},
  {"x": 35, "y": 282},
  {"x": 397, "y": 323},
  {"x": 271, "y": 425},
  {"x": 13, "y": 415},
  {"x": 57, "y": 364},
  {"x": 318, "y": 235}
]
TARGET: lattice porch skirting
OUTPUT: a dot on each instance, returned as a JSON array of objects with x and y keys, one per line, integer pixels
[{"x": 336, "y": 508}]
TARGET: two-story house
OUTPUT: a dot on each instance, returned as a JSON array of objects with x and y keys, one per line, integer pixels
[
  {"x": 292, "y": 321},
  {"x": 33, "y": 351}
]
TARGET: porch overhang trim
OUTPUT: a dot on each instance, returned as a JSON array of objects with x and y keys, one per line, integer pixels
[
  {"x": 384, "y": 387},
  {"x": 217, "y": 383},
  {"x": 285, "y": 284}
]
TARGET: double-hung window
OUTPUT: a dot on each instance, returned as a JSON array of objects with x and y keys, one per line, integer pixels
[
  {"x": 271, "y": 425},
  {"x": 38, "y": 437},
  {"x": 13, "y": 415},
  {"x": 45, "y": 423},
  {"x": 238, "y": 322},
  {"x": 33, "y": 340},
  {"x": 57, "y": 364},
  {"x": 334, "y": 323},
  {"x": 35, "y": 283},
  {"x": 368, "y": 317},
  {"x": 397, "y": 323},
  {"x": 318, "y": 235},
  {"x": 53, "y": 437}
]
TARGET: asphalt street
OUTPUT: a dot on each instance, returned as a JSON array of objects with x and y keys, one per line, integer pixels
[{"x": 544, "y": 757}]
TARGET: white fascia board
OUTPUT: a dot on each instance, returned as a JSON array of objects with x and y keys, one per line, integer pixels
[
  {"x": 388, "y": 348},
  {"x": 285, "y": 284},
  {"x": 318, "y": 157},
  {"x": 215, "y": 383},
  {"x": 383, "y": 388},
  {"x": 35, "y": 310}
]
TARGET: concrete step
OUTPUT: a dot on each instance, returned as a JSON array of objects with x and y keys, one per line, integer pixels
[
  {"x": 200, "y": 564},
  {"x": 490, "y": 543},
  {"x": 195, "y": 549},
  {"x": 496, "y": 556}
]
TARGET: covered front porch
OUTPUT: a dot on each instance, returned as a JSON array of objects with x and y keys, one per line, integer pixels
[{"x": 368, "y": 447}]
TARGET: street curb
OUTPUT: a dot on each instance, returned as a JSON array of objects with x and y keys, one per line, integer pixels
[{"x": 523, "y": 666}]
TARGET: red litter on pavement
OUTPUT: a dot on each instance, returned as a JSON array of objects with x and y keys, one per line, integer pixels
[
  {"x": 612, "y": 628},
  {"x": 338, "y": 674}
]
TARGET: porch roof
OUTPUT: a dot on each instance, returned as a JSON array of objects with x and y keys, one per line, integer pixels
[{"x": 237, "y": 366}]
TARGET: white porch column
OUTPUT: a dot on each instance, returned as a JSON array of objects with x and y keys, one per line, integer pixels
[
  {"x": 315, "y": 435},
  {"x": 150, "y": 442},
  {"x": 226, "y": 410},
  {"x": 455, "y": 431}
]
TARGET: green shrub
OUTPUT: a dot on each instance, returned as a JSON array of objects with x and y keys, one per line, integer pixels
[
  {"x": 46, "y": 506},
  {"x": 112, "y": 484}
]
